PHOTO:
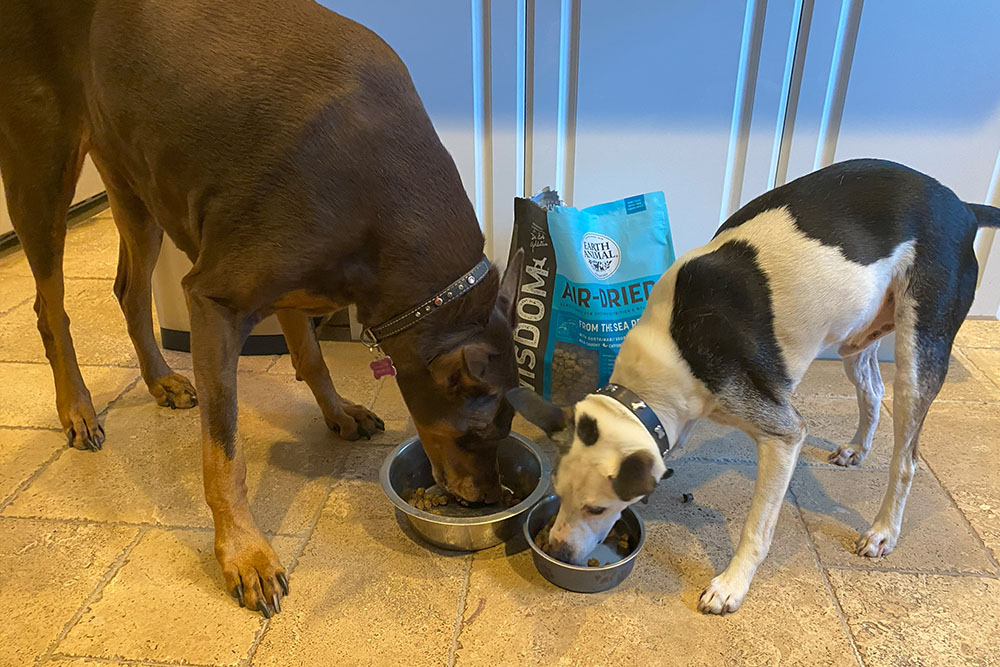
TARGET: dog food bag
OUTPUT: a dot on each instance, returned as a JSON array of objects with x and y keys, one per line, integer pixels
[{"x": 587, "y": 275}]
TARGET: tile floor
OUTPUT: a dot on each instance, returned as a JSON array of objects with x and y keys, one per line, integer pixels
[{"x": 106, "y": 558}]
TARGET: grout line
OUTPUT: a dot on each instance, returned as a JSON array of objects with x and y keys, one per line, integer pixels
[
  {"x": 70, "y": 521},
  {"x": 266, "y": 625},
  {"x": 17, "y": 305},
  {"x": 274, "y": 362},
  {"x": 976, "y": 366},
  {"x": 800, "y": 465},
  {"x": 96, "y": 594},
  {"x": 21, "y": 427},
  {"x": 826, "y": 580},
  {"x": 59, "y": 452},
  {"x": 965, "y": 519},
  {"x": 912, "y": 571},
  {"x": 460, "y": 614},
  {"x": 125, "y": 661},
  {"x": 31, "y": 478}
]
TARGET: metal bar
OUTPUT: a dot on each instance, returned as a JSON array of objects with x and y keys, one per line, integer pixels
[
  {"x": 525, "y": 94},
  {"x": 987, "y": 301},
  {"x": 746, "y": 84},
  {"x": 840, "y": 75},
  {"x": 791, "y": 85},
  {"x": 569, "y": 75},
  {"x": 482, "y": 103}
]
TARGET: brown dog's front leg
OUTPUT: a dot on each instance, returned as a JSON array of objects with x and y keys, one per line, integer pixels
[
  {"x": 251, "y": 569},
  {"x": 351, "y": 421}
]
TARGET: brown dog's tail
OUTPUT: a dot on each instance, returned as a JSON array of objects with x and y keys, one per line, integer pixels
[{"x": 988, "y": 216}]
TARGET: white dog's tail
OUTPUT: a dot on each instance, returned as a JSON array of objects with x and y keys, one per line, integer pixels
[{"x": 988, "y": 216}]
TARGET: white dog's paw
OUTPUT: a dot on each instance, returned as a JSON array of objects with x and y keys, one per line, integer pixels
[
  {"x": 722, "y": 596},
  {"x": 877, "y": 542},
  {"x": 847, "y": 455}
]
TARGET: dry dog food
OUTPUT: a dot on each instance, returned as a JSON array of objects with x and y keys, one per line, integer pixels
[
  {"x": 581, "y": 292},
  {"x": 574, "y": 372},
  {"x": 617, "y": 539},
  {"x": 427, "y": 502}
]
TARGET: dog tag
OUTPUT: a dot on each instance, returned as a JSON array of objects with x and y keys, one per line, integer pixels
[{"x": 383, "y": 366}]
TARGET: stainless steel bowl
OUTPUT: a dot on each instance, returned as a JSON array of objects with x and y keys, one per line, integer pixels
[
  {"x": 576, "y": 577},
  {"x": 524, "y": 469}
]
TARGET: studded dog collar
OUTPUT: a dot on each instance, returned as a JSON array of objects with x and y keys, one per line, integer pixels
[
  {"x": 373, "y": 336},
  {"x": 643, "y": 412}
]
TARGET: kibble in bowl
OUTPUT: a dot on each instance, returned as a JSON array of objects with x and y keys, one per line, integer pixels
[
  {"x": 447, "y": 522},
  {"x": 629, "y": 534}
]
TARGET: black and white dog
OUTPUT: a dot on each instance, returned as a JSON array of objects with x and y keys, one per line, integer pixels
[{"x": 840, "y": 257}]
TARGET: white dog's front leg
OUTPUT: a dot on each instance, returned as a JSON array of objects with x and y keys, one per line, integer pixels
[{"x": 775, "y": 464}]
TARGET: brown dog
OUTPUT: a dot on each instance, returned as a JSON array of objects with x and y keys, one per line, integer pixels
[{"x": 284, "y": 149}]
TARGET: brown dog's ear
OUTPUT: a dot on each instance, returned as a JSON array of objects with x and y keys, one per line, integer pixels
[
  {"x": 462, "y": 368},
  {"x": 511, "y": 283},
  {"x": 635, "y": 476},
  {"x": 552, "y": 419}
]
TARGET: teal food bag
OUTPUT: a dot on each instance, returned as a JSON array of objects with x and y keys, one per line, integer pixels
[{"x": 588, "y": 274}]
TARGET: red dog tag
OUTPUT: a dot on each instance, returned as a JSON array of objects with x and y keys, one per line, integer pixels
[{"x": 381, "y": 367}]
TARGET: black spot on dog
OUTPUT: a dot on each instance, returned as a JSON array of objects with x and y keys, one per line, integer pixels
[
  {"x": 586, "y": 429},
  {"x": 723, "y": 322},
  {"x": 635, "y": 476},
  {"x": 864, "y": 208}
]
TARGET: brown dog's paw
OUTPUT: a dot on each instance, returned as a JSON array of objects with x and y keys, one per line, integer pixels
[
  {"x": 81, "y": 427},
  {"x": 353, "y": 422},
  {"x": 253, "y": 573},
  {"x": 174, "y": 391}
]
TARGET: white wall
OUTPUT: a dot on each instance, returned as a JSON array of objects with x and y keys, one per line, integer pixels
[{"x": 89, "y": 185}]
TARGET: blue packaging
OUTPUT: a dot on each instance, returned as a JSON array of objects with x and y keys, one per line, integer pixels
[{"x": 587, "y": 276}]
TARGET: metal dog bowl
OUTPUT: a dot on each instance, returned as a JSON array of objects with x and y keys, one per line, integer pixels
[
  {"x": 524, "y": 469},
  {"x": 577, "y": 577}
]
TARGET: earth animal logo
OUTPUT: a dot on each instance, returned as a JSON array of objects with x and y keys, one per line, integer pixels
[{"x": 602, "y": 255}]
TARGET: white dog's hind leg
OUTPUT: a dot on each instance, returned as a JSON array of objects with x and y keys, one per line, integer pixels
[
  {"x": 776, "y": 459},
  {"x": 862, "y": 369}
]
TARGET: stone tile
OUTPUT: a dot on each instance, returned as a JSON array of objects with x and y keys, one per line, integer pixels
[
  {"x": 840, "y": 504},
  {"x": 96, "y": 324},
  {"x": 47, "y": 571},
  {"x": 150, "y": 468},
  {"x": 22, "y": 452},
  {"x": 15, "y": 290},
  {"x": 987, "y": 361},
  {"x": 168, "y": 603},
  {"x": 959, "y": 443},
  {"x": 826, "y": 377},
  {"x": 28, "y": 393},
  {"x": 342, "y": 358},
  {"x": 389, "y": 405},
  {"x": 979, "y": 333},
  {"x": 181, "y": 362},
  {"x": 902, "y": 619},
  {"x": 964, "y": 382},
  {"x": 831, "y": 423},
  {"x": 513, "y": 616},
  {"x": 91, "y": 251},
  {"x": 85, "y": 662},
  {"x": 365, "y": 592}
]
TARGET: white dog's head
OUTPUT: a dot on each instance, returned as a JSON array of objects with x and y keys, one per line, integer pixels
[{"x": 609, "y": 461}]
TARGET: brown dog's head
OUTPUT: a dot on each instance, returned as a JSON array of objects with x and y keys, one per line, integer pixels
[{"x": 458, "y": 402}]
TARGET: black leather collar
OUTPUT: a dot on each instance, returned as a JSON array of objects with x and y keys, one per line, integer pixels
[
  {"x": 373, "y": 336},
  {"x": 643, "y": 412}
]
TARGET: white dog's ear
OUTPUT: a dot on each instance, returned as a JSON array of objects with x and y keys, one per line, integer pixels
[
  {"x": 556, "y": 421},
  {"x": 635, "y": 476}
]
